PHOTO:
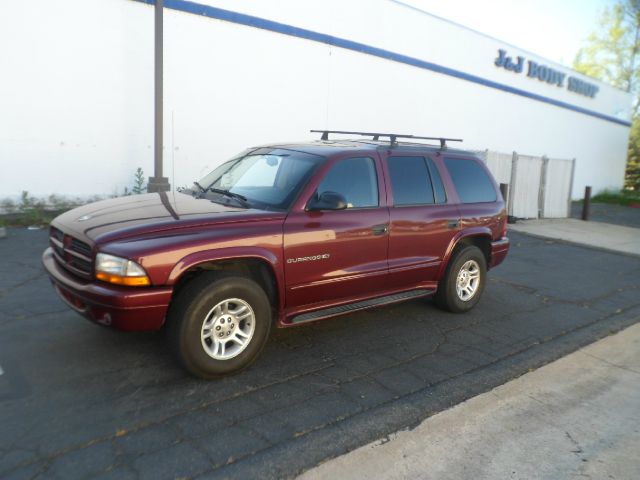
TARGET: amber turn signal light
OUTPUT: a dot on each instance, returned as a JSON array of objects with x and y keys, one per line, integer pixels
[
  {"x": 120, "y": 280},
  {"x": 120, "y": 271}
]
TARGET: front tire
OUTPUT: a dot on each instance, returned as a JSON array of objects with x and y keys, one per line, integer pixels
[
  {"x": 463, "y": 283},
  {"x": 218, "y": 325}
]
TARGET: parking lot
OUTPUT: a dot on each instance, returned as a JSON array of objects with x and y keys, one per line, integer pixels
[{"x": 77, "y": 400}]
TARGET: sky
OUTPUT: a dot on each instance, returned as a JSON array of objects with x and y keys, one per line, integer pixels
[{"x": 554, "y": 29}]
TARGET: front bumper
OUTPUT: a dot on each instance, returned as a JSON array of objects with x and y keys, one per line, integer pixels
[
  {"x": 123, "y": 308},
  {"x": 499, "y": 250}
]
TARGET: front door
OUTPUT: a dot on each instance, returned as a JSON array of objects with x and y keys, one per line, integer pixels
[{"x": 338, "y": 255}]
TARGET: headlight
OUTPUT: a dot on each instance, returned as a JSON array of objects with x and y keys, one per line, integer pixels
[{"x": 120, "y": 271}]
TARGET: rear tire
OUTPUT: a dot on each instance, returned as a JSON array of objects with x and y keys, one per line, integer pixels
[
  {"x": 462, "y": 285},
  {"x": 218, "y": 325}
]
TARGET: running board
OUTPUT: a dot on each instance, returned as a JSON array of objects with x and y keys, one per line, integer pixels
[{"x": 354, "y": 307}]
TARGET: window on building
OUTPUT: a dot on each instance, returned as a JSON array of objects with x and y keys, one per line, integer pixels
[
  {"x": 355, "y": 179},
  {"x": 471, "y": 180}
]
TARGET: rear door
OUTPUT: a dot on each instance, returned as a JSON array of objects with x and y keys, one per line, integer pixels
[
  {"x": 339, "y": 255},
  {"x": 424, "y": 218},
  {"x": 481, "y": 205}
]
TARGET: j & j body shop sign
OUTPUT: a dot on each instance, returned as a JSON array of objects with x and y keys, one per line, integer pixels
[{"x": 545, "y": 74}]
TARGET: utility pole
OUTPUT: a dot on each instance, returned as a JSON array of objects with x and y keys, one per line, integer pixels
[{"x": 158, "y": 183}]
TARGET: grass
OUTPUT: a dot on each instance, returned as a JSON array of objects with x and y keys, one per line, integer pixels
[
  {"x": 622, "y": 197},
  {"x": 35, "y": 217},
  {"x": 30, "y": 211}
]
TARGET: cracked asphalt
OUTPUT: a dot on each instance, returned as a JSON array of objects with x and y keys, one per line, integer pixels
[{"x": 80, "y": 401}]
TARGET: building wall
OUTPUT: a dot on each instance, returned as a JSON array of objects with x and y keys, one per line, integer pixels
[{"x": 77, "y": 92}]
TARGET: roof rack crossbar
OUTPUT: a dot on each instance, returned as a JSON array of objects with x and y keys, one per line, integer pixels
[{"x": 393, "y": 137}]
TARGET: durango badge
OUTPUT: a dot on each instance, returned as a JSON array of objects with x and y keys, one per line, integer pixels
[{"x": 308, "y": 259}]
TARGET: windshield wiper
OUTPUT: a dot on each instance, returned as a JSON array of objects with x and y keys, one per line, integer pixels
[{"x": 241, "y": 198}]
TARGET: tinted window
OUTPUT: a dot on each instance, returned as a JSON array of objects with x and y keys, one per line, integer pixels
[
  {"x": 436, "y": 181},
  {"x": 410, "y": 181},
  {"x": 355, "y": 179},
  {"x": 471, "y": 181}
]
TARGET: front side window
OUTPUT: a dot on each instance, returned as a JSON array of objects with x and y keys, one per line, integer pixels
[
  {"x": 355, "y": 179},
  {"x": 267, "y": 178},
  {"x": 471, "y": 180}
]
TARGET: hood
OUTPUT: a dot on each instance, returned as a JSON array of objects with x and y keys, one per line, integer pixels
[{"x": 135, "y": 215}]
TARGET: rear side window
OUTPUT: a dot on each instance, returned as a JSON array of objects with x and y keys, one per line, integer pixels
[
  {"x": 415, "y": 181},
  {"x": 471, "y": 181},
  {"x": 355, "y": 179}
]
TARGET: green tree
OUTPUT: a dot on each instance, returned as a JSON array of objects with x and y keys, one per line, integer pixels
[
  {"x": 612, "y": 54},
  {"x": 138, "y": 182},
  {"x": 632, "y": 173}
]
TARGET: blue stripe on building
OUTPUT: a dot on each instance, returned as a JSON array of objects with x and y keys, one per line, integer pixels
[{"x": 282, "y": 28}]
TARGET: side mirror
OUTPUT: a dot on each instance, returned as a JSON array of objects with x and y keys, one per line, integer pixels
[{"x": 328, "y": 201}]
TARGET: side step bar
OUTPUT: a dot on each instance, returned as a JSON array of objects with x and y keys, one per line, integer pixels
[{"x": 364, "y": 304}]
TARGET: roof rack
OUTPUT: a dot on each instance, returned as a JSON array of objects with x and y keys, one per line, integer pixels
[{"x": 393, "y": 137}]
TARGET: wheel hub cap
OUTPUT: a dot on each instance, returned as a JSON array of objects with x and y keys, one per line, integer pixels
[
  {"x": 227, "y": 329},
  {"x": 468, "y": 280}
]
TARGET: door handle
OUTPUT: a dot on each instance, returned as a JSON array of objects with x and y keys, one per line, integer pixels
[
  {"x": 379, "y": 229},
  {"x": 453, "y": 223}
]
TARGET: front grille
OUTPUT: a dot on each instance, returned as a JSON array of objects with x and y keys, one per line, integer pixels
[
  {"x": 81, "y": 247},
  {"x": 71, "y": 253}
]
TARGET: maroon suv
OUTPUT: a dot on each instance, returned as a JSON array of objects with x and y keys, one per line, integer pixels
[{"x": 286, "y": 233}]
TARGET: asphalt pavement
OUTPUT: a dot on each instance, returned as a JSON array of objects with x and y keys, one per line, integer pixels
[
  {"x": 79, "y": 401},
  {"x": 576, "y": 417}
]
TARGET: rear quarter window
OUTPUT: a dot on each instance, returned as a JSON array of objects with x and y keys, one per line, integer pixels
[{"x": 471, "y": 181}]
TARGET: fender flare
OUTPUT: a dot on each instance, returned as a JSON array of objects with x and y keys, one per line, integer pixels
[
  {"x": 234, "y": 253},
  {"x": 455, "y": 241}
]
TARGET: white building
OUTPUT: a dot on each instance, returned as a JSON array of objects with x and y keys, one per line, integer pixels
[{"x": 76, "y": 95}]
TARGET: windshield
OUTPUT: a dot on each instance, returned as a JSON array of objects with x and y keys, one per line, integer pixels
[{"x": 266, "y": 178}]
